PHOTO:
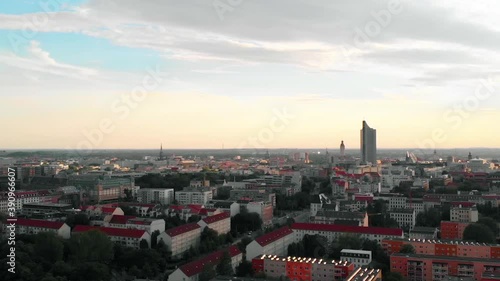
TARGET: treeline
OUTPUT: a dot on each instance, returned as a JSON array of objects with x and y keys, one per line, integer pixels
[{"x": 86, "y": 256}]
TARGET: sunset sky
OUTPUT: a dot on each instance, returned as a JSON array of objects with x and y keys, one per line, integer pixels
[{"x": 202, "y": 74}]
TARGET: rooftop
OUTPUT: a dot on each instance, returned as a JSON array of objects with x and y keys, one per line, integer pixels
[
  {"x": 40, "y": 223},
  {"x": 270, "y": 237},
  {"x": 216, "y": 218},
  {"x": 172, "y": 232},
  {"x": 117, "y": 219},
  {"x": 426, "y": 230},
  {"x": 365, "y": 274},
  {"x": 111, "y": 231},
  {"x": 350, "y": 229},
  {"x": 196, "y": 267},
  {"x": 446, "y": 242},
  {"x": 304, "y": 260},
  {"x": 436, "y": 259},
  {"x": 341, "y": 214}
]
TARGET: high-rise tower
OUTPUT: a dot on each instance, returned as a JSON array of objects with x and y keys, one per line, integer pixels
[
  {"x": 161, "y": 151},
  {"x": 368, "y": 144},
  {"x": 342, "y": 149}
]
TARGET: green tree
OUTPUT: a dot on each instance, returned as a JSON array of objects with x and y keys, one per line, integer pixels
[
  {"x": 490, "y": 223},
  {"x": 480, "y": 233},
  {"x": 393, "y": 276},
  {"x": 244, "y": 269},
  {"x": 224, "y": 267},
  {"x": 407, "y": 249},
  {"x": 90, "y": 246},
  {"x": 143, "y": 244},
  {"x": 208, "y": 273},
  {"x": 49, "y": 247},
  {"x": 154, "y": 238}
]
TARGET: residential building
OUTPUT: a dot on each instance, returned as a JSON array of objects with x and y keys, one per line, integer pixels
[
  {"x": 365, "y": 274},
  {"x": 368, "y": 144},
  {"x": 304, "y": 269},
  {"x": 200, "y": 197},
  {"x": 263, "y": 209},
  {"x": 126, "y": 237},
  {"x": 451, "y": 230},
  {"x": 359, "y": 258},
  {"x": 150, "y": 225},
  {"x": 164, "y": 196},
  {"x": 191, "y": 271},
  {"x": 231, "y": 207},
  {"x": 416, "y": 267},
  {"x": 272, "y": 243},
  {"x": 405, "y": 217},
  {"x": 420, "y": 232},
  {"x": 339, "y": 217},
  {"x": 221, "y": 223},
  {"x": 31, "y": 209},
  {"x": 27, "y": 226},
  {"x": 333, "y": 231},
  {"x": 444, "y": 248},
  {"x": 464, "y": 214},
  {"x": 181, "y": 238},
  {"x": 253, "y": 195},
  {"x": 98, "y": 188}
]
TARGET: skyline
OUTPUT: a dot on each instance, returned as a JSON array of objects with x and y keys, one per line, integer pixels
[{"x": 192, "y": 76}]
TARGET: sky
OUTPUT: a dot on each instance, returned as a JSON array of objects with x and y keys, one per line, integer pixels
[{"x": 248, "y": 73}]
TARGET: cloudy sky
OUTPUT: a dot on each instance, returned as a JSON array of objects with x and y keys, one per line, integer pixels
[{"x": 245, "y": 73}]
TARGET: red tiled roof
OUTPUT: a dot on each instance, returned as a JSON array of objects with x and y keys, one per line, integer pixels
[
  {"x": 172, "y": 232},
  {"x": 464, "y": 204},
  {"x": 270, "y": 237},
  {"x": 216, "y": 218},
  {"x": 196, "y": 267},
  {"x": 111, "y": 231},
  {"x": 108, "y": 210},
  {"x": 363, "y": 198},
  {"x": 40, "y": 223},
  {"x": 195, "y": 208},
  {"x": 348, "y": 228},
  {"x": 117, "y": 219},
  {"x": 205, "y": 211}
]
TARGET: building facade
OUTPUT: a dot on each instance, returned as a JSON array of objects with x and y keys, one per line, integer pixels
[
  {"x": 180, "y": 239},
  {"x": 273, "y": 243},
  {"x": 368, "y": 144},
  {"x": 156, "y": 195}
]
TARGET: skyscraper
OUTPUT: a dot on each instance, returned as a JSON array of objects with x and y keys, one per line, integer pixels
[
  {"x": 342, "y": 149},
  {"x": 368, "y": 144}
]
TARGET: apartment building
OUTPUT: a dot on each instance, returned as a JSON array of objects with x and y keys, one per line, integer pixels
[
  {"x": 187, "y": 197},
  {"x": 192, "y": 270},
  {"x": 272, "y": 243},
  {"x": 131, "y": 222},
  {"x": 365, "y": 274},
  {"x": 420, "y": 232},
  {"x": 126, "y": 237},
  {"x": 333, "y": 231},
  {"x": 27, "y": 226},
  {"x": 359, "y": 258},
  {"x": 155, "y": 195},
  {"x": 263, "y": 209},
  {"x": 416, "y": 267},
  {"x": 304, "y": 269},
  {"x": 339, "y": 217},
  {"x": 444, "y": 248},
  {"x": 406, "y": 217},
  {"x": 180, "y": 239},
  {"x": 229, "y": 206},
  {"x": 98, "y": 188},
  {"x": 451, "y": 230},
  {"x": 464, "y": 214},
  {"x": 221, "y": 223}
]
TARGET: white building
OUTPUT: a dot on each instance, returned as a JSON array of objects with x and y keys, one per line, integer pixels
[
  {"x": 156, "y": 195},
  {"x": 192, "y": 270},
  {"x": 480, "y": 166},
  {"x": 273, "y": 243},
  {"x": 226, "y": 206},
  {"x": 126, "y": 237},
  {"x": 221, "y": 223},
  {"x": 406, "y": 217},
  {"x": 358, "y": 257},
  {"x": 397, "y": 202},
  {"x": 263, "y": 209},
  {"x": 463, "y": 214},
  {"x": 333, "y": 231},
  {"x": 193, "y": 197},
  {"x": 180, "y": 239},
  {"x": 27, "y": 226}
]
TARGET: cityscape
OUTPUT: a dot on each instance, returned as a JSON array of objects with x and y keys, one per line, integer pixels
[{"x": 234, "y": 140}]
